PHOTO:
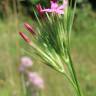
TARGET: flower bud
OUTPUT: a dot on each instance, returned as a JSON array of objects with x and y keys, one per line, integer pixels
[
  {"x": 39, "y": 9},
  {"x": 24, "y": 37},
  {"x": 29, "y": 28}
]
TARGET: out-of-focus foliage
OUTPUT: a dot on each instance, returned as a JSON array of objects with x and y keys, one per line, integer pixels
[
  {"x": 29, "y": 5},
  {"x": 25, "y": 7}
]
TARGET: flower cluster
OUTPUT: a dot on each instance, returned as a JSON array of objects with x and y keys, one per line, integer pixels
[{"x": 55, "y": 8}]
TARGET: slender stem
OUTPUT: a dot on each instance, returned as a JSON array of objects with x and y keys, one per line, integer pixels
[
  {"x": 40, "y": 93},
  {"x": 74, "y": 74},
  {"x": 23, "y": 84},
  {"x": 70, "y": 80}
]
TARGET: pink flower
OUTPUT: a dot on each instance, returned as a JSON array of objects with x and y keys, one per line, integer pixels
[
  {"x": 55, "y": 8},
  {"x": 26, "y": 62},
  {"x": 36, "y": 80}
]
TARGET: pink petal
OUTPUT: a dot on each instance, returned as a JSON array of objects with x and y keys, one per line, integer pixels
[
  {"x": 60, "y": 11},
  {"x": 47, "y": 10},
  {"x": 54, "y": 5},
  {"x": 61, "y": 7}
]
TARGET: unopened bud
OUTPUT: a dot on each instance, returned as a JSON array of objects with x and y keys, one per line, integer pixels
[
  {"x": 24, "y": 37},
  {"x": 39, "y": 9},
  {"x": 29, "y": 28}
]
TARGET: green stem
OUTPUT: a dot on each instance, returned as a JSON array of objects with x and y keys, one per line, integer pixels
[
  {"x": 69, "y": 79},
  {"x": 40, "y": 93},
  {"x": 23, "y": 84},
  {"x": 74, "y": 74}
]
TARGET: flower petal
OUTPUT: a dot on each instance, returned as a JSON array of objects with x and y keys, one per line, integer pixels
[
  {"x": 47, "y": 10},
  {"x": 61, "y": 7},
  {"x": 54, "y": 5},
  {"x": 60, "y": 11}
]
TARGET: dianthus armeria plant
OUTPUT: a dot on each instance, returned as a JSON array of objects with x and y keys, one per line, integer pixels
[
  {"x": 51, "y": 38},
  {"x": 32, "y": 82}
]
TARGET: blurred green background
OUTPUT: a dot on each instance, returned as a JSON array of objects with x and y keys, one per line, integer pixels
[{"x": 13, "y": 13}]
